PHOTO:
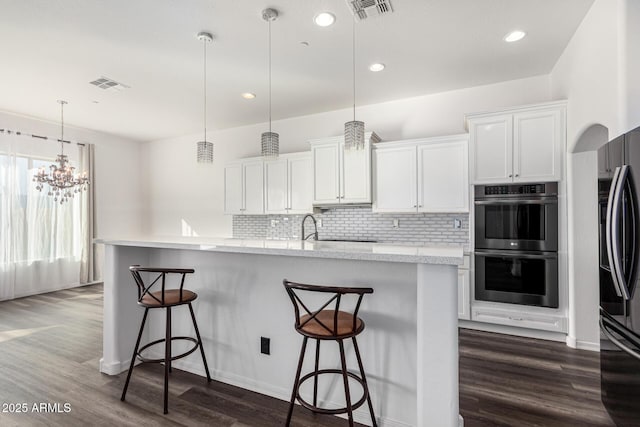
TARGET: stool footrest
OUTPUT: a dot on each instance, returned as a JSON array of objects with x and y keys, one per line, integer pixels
[
  {"x": 335, "y": 411},
  {"x": 161, "y": 340}
]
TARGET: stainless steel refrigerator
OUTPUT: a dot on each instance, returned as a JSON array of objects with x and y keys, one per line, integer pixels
[{"x": 618, "y": 175}]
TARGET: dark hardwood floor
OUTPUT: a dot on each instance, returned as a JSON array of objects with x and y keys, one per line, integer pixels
[{"x": 50, "y": 346}]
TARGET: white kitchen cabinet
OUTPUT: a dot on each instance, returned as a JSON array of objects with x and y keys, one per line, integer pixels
[
  {"x": 244, "y": 187},
  {"x": 464, "y": 290},
  {"x": 288, "y": 184},
  {"x": 422, "y": 175},
  {"x": 523, "y": 144},
  {"x": 341, "y": 176},
  {"x": 395, "y": 178},
  {"x": 610, "y": 156}
]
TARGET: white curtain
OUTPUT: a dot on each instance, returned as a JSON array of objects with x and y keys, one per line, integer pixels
[{"x": 44, "y": 245}]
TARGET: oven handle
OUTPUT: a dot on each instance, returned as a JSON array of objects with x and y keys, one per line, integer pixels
[
  {"x": 549, "y": 201},
  {"x": 514, "y": 254}
]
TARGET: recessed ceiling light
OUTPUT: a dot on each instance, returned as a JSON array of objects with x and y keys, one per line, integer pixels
[
  {"x": 376, "y": 67},
  {"x": 248, "y": 95},
  {"x": 324, "y": 19},
  {"x": 514, "y": 36}
]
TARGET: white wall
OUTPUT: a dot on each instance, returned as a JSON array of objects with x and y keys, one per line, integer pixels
[
  {"x": 189, "y": 197},
  {"x": 117, "y": 183},
  {"x": 597, "y": 73}
]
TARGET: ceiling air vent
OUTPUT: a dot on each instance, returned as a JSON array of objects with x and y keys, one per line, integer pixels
[
  {"x": 363, "y": 9},
  {"x": 109, "y": 84}
]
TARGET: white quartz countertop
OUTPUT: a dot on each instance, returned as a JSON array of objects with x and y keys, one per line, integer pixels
[{"x": 431, "y": 254}]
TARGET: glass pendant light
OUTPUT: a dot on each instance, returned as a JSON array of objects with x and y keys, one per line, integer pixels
[
  {"x": 205, "y": 148},
  {"x": 270, "y": 141},
  {"x": 354, "y": 130}
]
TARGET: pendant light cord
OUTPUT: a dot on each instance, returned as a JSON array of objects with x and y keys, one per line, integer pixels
[
  {"x": 269, "y": 76},
  {"x": 204, "y": 79},
  {"x": 62, "y": 127},
  {"x": 354, "y": 69}
]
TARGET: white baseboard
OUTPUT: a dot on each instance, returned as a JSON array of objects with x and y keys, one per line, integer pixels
[{"x": 573, "y": 342}]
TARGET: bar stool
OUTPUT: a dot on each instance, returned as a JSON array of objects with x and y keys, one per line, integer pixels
[
  {"x": 334, "y": 325},
  {"x": 164, "y": 298}
]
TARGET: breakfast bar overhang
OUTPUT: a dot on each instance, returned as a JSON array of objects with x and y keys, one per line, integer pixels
[{"x": 411, "y": 338}]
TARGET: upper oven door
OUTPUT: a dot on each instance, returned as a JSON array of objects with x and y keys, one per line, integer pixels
[{"x": 525, "y": 224}]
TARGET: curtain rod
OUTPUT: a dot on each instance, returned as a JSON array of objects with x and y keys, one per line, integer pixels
[{"x": 16, "y": 132}]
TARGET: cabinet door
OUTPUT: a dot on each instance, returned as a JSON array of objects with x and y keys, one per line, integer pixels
[
  {"x": 300, "y": 185},
  {"x": 233, "y": 197},
  {"x": 491, "y": 149},
  {"x": 253, "y": 188},
  {"x": 326, "y": 160},
  {"x": 537, "y": 146},
  {"x": 464, "y": 302},
  {"x": 394, "y": 180},
  {"x": 355, "y": 175},
  {"x": 443, "y": 182},
  {"x": 276, "y": 186}
]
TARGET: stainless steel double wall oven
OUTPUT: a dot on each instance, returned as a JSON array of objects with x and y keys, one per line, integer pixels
[{"x": 516, "y": 243}]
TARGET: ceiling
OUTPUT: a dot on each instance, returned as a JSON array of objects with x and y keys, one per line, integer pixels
[{"x": 52, "y": 49}]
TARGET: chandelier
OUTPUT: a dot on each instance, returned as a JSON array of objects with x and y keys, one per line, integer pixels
[{"x": 63, "y": 184}]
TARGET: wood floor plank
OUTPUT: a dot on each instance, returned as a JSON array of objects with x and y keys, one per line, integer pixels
[{"x": 50, "y": 346}]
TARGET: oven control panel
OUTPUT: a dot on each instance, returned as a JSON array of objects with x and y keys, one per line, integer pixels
[{"x": 506, "y": 190}]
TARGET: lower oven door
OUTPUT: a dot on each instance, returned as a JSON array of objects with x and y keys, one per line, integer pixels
[{"x": 529, "y": 278}]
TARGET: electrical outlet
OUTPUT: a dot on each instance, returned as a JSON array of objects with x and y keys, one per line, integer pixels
[
  {"x": 274, "y": 222},
  {"x": 457, "y": 223},
  {"x": 319, "y": 222},
  {"x": 396, "y": 223},
  {"x": 265, "y": 345}
]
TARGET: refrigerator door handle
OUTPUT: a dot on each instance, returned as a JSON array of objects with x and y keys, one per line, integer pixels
[
  {"x": 609, "y": 334},
  {"x": 613, "y": 231}
]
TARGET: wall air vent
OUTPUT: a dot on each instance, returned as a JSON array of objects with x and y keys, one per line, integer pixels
[
  {"x": 363, "y": 9},
  {"x": 109, "y": 84}
]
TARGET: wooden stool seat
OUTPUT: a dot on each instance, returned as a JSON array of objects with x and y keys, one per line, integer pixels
[
  {"x": 326, "y": 324},
  {"x": 165, "y": 299},
  {"x": 323, "y": 324},
  {"x": 171, "y": 297}
]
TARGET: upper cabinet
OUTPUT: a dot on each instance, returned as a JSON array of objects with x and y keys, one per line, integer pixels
[
  {"x": 518, "y": 145},
  {"x": 422, "y": 175},
  {"x": 244, "y": 187},
  {"x": 288, "y": 184},
  {"x": 341, "y": 176}
]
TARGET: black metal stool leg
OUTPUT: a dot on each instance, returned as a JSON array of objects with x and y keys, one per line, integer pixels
[
  {"x": 167, "y": 361},
  {"x": 204, "y": 359},
  {"x": 135, "y": 353},
  {"x": 364, "y": 381},
  {"x": 346, "y": 382},
  {"x": 315, "y": 379},
  {"x": 296, "y": 381}
]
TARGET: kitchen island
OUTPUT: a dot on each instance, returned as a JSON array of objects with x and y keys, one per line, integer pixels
[{"x": 409, "y": 346}]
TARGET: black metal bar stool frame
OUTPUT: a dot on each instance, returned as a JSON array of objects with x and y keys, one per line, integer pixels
[
  {"x": 327, "y": 329},
  {"x": 165, "y": 299}
]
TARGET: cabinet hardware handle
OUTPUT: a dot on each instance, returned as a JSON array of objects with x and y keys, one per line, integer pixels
[
  {"x": 415, "y": 206},
  {"x": 419, "y": 206},
  {"x": 510, "y": 175},
  {"x": 337, "y": 197},
  {"x": 517, "y": 175}
]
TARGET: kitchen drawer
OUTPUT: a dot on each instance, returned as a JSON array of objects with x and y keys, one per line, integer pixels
[{"x": 521, "y": 319}]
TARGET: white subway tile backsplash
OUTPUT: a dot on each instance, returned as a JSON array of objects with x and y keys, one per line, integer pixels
[{"x": 358, "y": 223}]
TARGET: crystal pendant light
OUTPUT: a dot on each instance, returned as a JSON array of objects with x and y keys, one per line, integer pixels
[
  {"x": 205, "y": 148},
  {"x": 270, "y": 140},
  {"x": 62, "y": 182},
  {"x": 354, "y": 130}
]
